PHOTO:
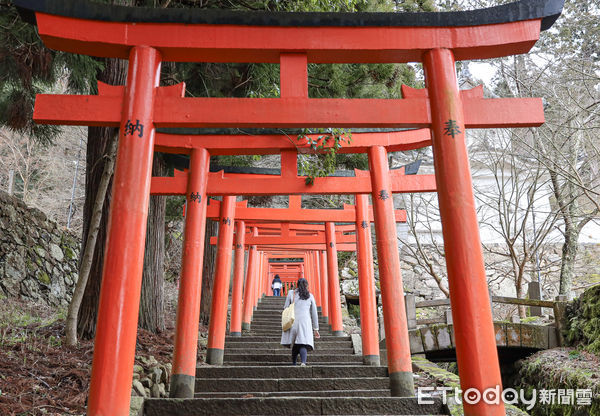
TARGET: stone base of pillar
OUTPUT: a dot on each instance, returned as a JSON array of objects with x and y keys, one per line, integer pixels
[
  {"x": 235, "y": 334},
  {"x": 402, "y": 384},
  {"x": 319, "y": 310},
  {"x": 214, "y": 356},
  {"x": 339, "y": 334},
  {"x": 373, "y": 360},
  {"x": 245, "y": 326},
  {"x": 182, "y": 386}
]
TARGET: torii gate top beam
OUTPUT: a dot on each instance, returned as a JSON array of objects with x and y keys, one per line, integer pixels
[
  {"x": 195, "y": 35},
  {"x": 293, "y": 40}
]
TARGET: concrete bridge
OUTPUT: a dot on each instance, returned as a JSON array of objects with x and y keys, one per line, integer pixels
[
  {"x": 434, "y": 337},
  {"x": 514, "y": 340}
]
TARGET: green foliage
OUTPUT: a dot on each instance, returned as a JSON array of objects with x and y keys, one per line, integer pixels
[
  {"x": 174, "y": 208},
  {"x": 81, "y": 70},
  {"x": 343, "y": 258},
  {"x": 354, "y": 310},
  {"x": 325, "y": 147},
  {"x": 28, "y": 68},
  {"x": 583, "y": 321},
  {"x": 241, "y": 160}
]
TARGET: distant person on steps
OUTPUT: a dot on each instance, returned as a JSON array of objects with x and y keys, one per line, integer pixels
[
  {"x": 306, "y": 320},
  {"x": 276, "y": 285}
]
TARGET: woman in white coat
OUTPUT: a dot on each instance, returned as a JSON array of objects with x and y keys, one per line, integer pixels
[{"x": 300, "y": 335}]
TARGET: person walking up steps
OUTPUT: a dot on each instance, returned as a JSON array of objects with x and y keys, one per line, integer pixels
[
  {"x": 300, "y": 335},
  {"x": 276, "y": 285}
]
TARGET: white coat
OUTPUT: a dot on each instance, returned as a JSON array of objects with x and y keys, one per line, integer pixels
[{"x": 305, "y": 321}]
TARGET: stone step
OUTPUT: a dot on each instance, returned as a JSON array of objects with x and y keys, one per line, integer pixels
[
  {"x": 273, "y": 319},
  {"x": 313, "y": 356},
  {"x": 275, "y": 334},
  {"x": 276, "y": 338},
  {"x": 273, "y": 345},
  {"x": 292, "y": 406},
  {"x": 267, "y": 329},
  {"x": 316, "y": 393},
  {"x": 289, "y": 384},
  {"x": 282, "y": 349},
  {"x": 289, "y": 371},
  {"x": 278, "y": 301},
  {"x": 277, "y": 322},
  {"x": 271, "y": 304},
  {"x": 275, "y": 330},
  {"x": 352, "y": 363}
]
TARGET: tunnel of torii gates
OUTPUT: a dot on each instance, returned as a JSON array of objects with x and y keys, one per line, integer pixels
[
  {"x": 318, "y": 244},
  {"x": 148, "y": 37},
  {"x": 282, "y": 233}
]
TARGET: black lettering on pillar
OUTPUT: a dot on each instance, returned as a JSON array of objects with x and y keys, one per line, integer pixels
[
  {"x": 196, "y": 197},
  {"x": 383, "y": 195},
  {"x": 131, "y": 128},
  {"x": 451, "y": 128}
]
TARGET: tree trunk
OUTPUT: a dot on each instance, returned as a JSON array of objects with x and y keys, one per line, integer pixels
[
  {"x": 569, "y": 253},
  {"x": 208, "y": 270},
  {"x": 152, "y": 298},
  {"x": 90, "y": 245}
]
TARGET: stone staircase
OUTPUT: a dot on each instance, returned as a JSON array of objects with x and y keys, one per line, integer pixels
[{"x": 257, "y": 378}]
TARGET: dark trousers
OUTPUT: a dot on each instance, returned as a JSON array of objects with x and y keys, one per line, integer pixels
[
  {"x": 299, "y": 349},
  {"x": 276, "y": 292}
]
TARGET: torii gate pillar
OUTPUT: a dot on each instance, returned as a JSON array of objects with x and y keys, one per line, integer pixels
[
  {"x": 317, "y": 280},
  {"x": 476, "y": 352},
  {"x": 324, "y": 287},
  {"x": 335, "y": 303},
  {"x": 114, "y": 347},
  {"x": 366, "y": 283},
  {"x": 190, "y": 285},
  {"x": 249, "y": 286},
  {"x": 235, "y": 327},
  {"x": 220, "y": 296},
  {"x": 392, "y": 292}
]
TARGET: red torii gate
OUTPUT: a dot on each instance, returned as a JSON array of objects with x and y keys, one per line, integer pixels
[{"x": 436, "y": 40}]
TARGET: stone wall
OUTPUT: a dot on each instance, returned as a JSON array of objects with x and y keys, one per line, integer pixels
[{"x": 38, "y": 258}]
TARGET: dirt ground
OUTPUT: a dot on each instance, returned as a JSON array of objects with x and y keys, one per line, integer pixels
[{"x": 39, "y": 375}]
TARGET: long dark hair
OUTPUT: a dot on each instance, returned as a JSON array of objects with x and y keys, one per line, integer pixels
[
  {"x": 302, "y": 290},
  {"x": 276, "y": 278}
]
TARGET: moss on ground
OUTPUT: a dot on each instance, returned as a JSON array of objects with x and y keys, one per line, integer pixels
[
  {"x": 561, "y": 368},
  {"x": 447, "y": 379},
  {"x": 583, "y": 321}
]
